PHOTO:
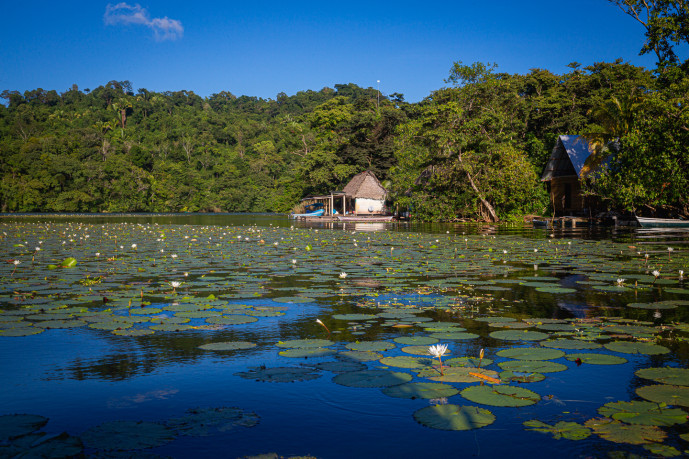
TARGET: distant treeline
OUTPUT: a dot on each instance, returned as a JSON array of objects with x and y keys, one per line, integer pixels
[{"x": 474, "y": 149}]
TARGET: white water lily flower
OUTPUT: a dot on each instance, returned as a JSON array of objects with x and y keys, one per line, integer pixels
[
  {"x": 17, "y": 262},
  {"x": 98, "y": 254},
  {"x": 670, "y": 249},
  {"x": 174, "y": 255},
  {"x": 504, "y": 251},
  {"x": 437, "y": 350},
  {"x": 343, "y": 275},
  {"x": 133, "y": 246},
  {"x": 175, "y": 284},
  {"x": 294, "y": 262},
  {"x": 620, "y": 282},
  {"x": 656, "y": 273}
]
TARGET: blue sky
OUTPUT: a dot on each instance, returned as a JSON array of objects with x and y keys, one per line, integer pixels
[{"x": 260, "y": 48}]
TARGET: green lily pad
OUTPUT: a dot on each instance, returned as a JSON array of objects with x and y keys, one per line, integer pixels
[
  {"x": 642, "y": 412},
  {"x": 341, "y": 366},
  {"x": 232, "y": 319},
  {"x": 407, "y": 361},
  {"x": 520, "y": 376},
  {"x": 594, "y": 358},
  {"x": 454, "y": 335},
  {"x": 21, "y": 331},
  {"x": 662, "y": 450},
  {"x": 420, "y": 390},
  {"x": 456, "y": 374},
  {"x": 665, "y": 393},
  {"x": 127, "y": 435},
  {"x": 17, "y": 425},
  {"x": 518, "y": 335},
  {"x": 372, "y": 346},
  {"x": 531, "y": 353},
  {"x": 532, "y": 366},
  {"x": 361, "y": 356},
  {"x": 53, "y": 446},
  {"x": 619, "y": 432},
  {"x": 501, "y": 395},
  {"x": 201, "y": 422},
  {"x": 227, "y": 346},
  {"x": 470, "y": 362},
  {"x": 279, "y": 374},
  {"x": 570, "y": 344},
  {"x": 415, "y": 340},
  {"x": 307, "y": 352},
  {"x": 133, "y": 332},
  {"x": 304, "y": 343},
  {"x": 353, "y": 316},
  {"x": 558, "y": 290},
  {"x": 454, "y": 417},
  {"x": 372, "y": 378},
  {"x": 562, "y": 429},
  {"x": 633, "y": 347},
  {"x": 666, "y": 375}
]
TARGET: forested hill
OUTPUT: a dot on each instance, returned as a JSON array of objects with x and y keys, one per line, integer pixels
[{"x": 478, "y": 144}]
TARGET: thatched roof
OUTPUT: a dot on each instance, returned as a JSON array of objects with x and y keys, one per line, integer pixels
[{"x": 365, "y": 185}]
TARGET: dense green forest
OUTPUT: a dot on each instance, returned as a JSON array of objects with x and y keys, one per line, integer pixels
[{"x": 474, "y": 148}]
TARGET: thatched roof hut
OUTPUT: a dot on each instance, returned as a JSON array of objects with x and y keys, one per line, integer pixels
[
  {"x": 367, "y": 193},
  {"x": 365, "y": 185}
]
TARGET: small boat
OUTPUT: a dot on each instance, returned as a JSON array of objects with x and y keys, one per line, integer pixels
[
  {"x": 365, "y": 218},
  {"x": 312, "y": 210},
  {"x": 646, "y": 222}
]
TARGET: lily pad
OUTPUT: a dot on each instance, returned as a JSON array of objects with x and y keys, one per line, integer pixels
[
  {"x": 127, "y": 435},
  {"x": 457, "y": 374},
  {"x": 279, "y": 374},
  {"x": 227, "y": 346},
  {"x": 16, "y": 425},
  {"x": 595, "y": 358},
  {"x": 562, "y": 429},
  {"x": 501, "y": 395},
  {"x": 532, "y": 366},
  {"x": 415, "y": 340},
  {"x": 642, "y": 412},
  {"x": 304, "y": 343},
  {"x": 633, "y": 347},
  {"x": 341, "y": 366},
  {"x": 361, "y": 356},
  {"x": 407, "y": 361},
  {"x": 307, "y": 352},
  {"x": 454, "y": 417},
  {"x": 372, "y": 346},
  {"x": 666, "y": 375},
  {"x": 519, "y": 335},
  {"x": 619, "y": 432},
  {"x": 201, "y": 422},
  {"x": 531, "y": 353},
  {"x": 520, "y": 376},
  {"x": 665, "y": 393},
  {"x": 570, "y": 344},
  {"x": 372, "y": 378},
  {"x": 420, "y": 390}
]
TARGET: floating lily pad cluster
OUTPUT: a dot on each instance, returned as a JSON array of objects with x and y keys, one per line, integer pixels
[{"x": 384, "y": 299}]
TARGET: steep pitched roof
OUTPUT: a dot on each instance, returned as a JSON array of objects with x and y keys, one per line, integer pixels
[
  {"x": 568, "y": 157},
  {"x": 365, "y": 185}
]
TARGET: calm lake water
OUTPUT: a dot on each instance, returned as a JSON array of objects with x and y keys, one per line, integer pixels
[{"x": 114, "y": 338}]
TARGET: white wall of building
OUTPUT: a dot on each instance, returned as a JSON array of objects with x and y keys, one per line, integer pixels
[{"x": 369, "y": 206}]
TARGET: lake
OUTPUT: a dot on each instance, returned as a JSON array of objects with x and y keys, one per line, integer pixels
[{"x": 229, "y": 335}]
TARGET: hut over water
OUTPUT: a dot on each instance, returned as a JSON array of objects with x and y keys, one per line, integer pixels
[
  {"x": 367, "y": 193},
  {"x": 564, "y": 173}
]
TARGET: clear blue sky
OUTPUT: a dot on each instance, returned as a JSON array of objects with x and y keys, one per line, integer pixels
[{"x": 260, "y": 48}]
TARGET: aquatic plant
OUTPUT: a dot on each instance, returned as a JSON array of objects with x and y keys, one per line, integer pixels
[{"x": 438, "y": 350}]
